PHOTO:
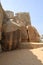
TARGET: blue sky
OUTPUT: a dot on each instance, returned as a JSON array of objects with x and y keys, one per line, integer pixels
[{"x": 34, "y": 7}]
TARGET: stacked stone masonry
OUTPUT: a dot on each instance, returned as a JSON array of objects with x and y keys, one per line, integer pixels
[{"x": 16, "y": 29}]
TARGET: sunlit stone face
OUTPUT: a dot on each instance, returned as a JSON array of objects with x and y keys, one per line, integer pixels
[{"x": 27, "y": 27}]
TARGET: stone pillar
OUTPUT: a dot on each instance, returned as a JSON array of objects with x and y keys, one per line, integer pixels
[{"x": 10, "y": 40}]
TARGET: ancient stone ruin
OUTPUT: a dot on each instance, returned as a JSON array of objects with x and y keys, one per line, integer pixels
[{"x": 16, "y": 29}]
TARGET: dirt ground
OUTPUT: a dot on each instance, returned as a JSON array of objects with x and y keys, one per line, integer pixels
[{"x": 22, "y": 57}]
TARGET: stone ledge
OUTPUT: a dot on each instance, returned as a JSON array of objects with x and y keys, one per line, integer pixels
[{"x": 29, "y": 45}]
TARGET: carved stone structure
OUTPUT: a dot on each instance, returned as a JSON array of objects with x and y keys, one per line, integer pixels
[
  {"x": 33, "y": 34},
  {"x": 24, "y": 35},
  {"x": 1, "y": 20},
  {"x": 13, "y": 29},
  {"x": 10, "y": 14},
  {"x": 23, "y": 17}
]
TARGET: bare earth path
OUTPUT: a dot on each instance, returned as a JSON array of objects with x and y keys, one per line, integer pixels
[{"x": 22, "y": 57}]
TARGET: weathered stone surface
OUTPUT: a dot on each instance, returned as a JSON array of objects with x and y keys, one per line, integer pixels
[
  {"x": 1, "y": 20},
  {"x": 10, "y": 26},
  {"x": 13, "y": 29},
  {"x": 10, "y": 14},
  {"x": 23, "y": 17},
  {"x": 24, "y": 35},
  {"x": 10, "y": 40},
  {"x": 33, "y": 34},
  {"x": 18, "y": 22}
]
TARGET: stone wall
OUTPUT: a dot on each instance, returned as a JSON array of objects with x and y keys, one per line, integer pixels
[
  {"x": 23, "y": 17},
  {"x": 33, "y": 34},
  {"x": 10, "y": 14},
  {"x": 10, "y": 40},
  {"x": 16, "y": 29},
  {"x": 1, "y": 19}
]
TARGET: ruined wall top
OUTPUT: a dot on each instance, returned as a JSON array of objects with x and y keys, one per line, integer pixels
[
  {"x": 10, "y": 14},
  {"x": 23, "y": 17}
]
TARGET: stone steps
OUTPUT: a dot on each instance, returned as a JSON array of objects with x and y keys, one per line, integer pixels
[{"x": 29, "y": 45}]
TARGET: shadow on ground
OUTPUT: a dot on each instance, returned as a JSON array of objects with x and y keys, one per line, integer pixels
[{"x": 19, "y": 57}]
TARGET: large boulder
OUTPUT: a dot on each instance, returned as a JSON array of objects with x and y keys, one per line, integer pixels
[
  {"x": 10, "y": 40},
  {"x": 10, "y": 35},
  {"x": 33, "y": 35}
]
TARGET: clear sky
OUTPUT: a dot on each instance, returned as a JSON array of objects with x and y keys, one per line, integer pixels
[{"x": 34, "y": 7}]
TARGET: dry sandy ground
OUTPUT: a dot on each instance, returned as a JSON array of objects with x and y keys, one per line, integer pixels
[{"x": 22, "y": 57}]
